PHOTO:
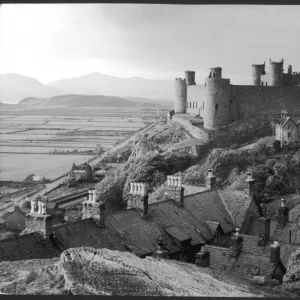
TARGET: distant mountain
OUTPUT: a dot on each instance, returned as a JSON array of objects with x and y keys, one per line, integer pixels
[
  {"x": 83, "y": 101},
  {"x": 14, "y": 87},
  {"x": 97, "y": 83}
]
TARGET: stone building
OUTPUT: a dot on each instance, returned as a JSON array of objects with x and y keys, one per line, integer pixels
[
  {"x": 220, "y": 103},
  {"x": 83, "y": 171},
  {"x": 287, "y": 131}
]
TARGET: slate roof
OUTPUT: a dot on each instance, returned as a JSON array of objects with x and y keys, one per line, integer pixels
[
  {"x": 85, "y": 233},
  {"x": 238, "y": 204},
  {"x": 290, "y": 233},
  {"x": 209, "y": 206},
  {"x": 165, "y": 219},
  {"x": 28, "y": 246},
  {"x": 283, "y": 122},
  {"x": 178, "y": 233},
  {"x": 253, "y": 260}
]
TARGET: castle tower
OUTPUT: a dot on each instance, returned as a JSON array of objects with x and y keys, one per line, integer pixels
[
  {"x": 215, "y": 72},
  {"x": 257, "y": 71},
  {"x": 216, "y": 112},
  {"x": 190, "y": 77},
  {"x": 276, "y": 73},
  {"x": 180, "y": 102},
  {"x": 290, "y": 70}
]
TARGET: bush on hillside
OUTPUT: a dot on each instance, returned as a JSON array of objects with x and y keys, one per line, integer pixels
[{"x": 291, "y": 280}]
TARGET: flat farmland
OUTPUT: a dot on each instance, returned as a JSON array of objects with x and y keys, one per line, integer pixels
[
  {"x": 28, "y": 136},
  {"x": 16, "y": 167}
]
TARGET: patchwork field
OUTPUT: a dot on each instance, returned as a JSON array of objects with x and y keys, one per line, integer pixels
[{"x": 28, "y": 136}]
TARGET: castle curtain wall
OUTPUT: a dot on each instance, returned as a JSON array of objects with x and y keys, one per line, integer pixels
[
  {"x": 195, "y": 99},
  {"x": 267, "y": 99}
]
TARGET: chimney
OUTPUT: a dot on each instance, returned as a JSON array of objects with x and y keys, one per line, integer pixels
[
  {"x": 202, "y": 258},
  {"x": 264, "y": 224},
  {"x": 145, "y": 201},
  {"x": 210, "y": 180},
  {"x": 275, "y": 252},
  {"x": 283, "y": 213},
  {"x": 37, "y": 220},
  {"x": 102, "y": 214},
  {"x": 137, "y": 192},
  {"x": 175, "y": 190},
  {"x": 90, "y": 195},
  {"x": 251, "y": 183},
  {"x": 236, "y": 243}
]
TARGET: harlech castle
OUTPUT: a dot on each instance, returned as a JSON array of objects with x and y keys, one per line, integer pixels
[{"x": 220, "y": 103}]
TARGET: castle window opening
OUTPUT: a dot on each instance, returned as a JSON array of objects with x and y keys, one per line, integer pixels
[
  {"x": 266, "y": 83},
  {"x": 290, "y": 236},
  {"x": 214, "y": 75},
  {"x": 217, "y": 106},
  {"x": 285, "y": 142},
  {"x": 193, "y": 104},
  {"x": 196, "y": 104},
  {"x": 289, "y": 134},
  {"x": 203, "y": 105},
  {"x": 205, "y": 84}
]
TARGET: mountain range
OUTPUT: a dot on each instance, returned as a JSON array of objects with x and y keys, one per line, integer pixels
[{"x": 15, "y": 87}]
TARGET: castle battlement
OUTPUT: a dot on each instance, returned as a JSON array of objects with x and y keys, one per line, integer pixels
[{"x": 219, "y": 102}]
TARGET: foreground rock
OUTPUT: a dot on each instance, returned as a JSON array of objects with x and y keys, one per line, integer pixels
[{"x": 105, "y": 272}]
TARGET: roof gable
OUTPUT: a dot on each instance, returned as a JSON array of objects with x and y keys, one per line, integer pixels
[
  {"x": 208, "y": 206},
  {"x": 238, "y": 204}
]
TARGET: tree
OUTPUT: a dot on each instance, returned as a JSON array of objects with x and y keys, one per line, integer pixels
[{"x": 277, "y": 146}]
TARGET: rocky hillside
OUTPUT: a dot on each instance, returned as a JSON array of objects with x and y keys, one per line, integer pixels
[
  {"x": 87, "y": 271},
  {"x": 149, "y": 162}
]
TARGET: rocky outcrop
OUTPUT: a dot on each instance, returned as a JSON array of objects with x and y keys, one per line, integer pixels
[{"x": 103, "y": 272}]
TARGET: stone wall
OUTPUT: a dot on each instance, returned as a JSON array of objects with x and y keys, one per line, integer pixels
[
  {"x": 268, "y": 100},
  {"x": 196, "y": 132}
]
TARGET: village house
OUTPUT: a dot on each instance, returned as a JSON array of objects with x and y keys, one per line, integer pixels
[
  {"x": 198, "y": 228},
  {"x": 287, "y": 131},
  {"x": 81, "y": 172}
]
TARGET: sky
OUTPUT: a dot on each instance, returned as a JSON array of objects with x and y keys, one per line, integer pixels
[{"x": 55, "y": 41}]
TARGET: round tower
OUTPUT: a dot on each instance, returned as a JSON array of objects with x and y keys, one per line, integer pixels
[
  {"x": 216, "y": 102},
  {"x": 257, "y": 71},
  {"x": 190, "y": 77},
  {"x": 276, "y": 71},
  {"x": 180, "y": 101},
  {"x": 215, "y": 72}
]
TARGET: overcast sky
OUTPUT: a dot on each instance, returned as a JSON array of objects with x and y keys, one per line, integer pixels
[{"x": 55, "y": 41}]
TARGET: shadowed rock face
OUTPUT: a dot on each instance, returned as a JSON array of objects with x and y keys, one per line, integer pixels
[{"x": 105, "y": 272}]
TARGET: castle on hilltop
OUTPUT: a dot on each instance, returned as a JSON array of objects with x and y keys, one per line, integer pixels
[{"x": 220, "y": 103}]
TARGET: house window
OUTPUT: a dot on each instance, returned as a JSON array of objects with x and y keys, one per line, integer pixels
[
  {"x": 285, "y": 142},
  {"x": 196, "y": 104},
  {"x": 289, "y": 134},
  {"x": 193, "y": 104},
  {"x": 217, "y": 106},
  {"x": 205, "y": 84},
  {"x": 266, "y": 83},
  {"x": 290, "y": 127},
  {"x": 190, "y": 104},
  {"x": 203, "y": 105},
  {"x": 214, "y": 75}
]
